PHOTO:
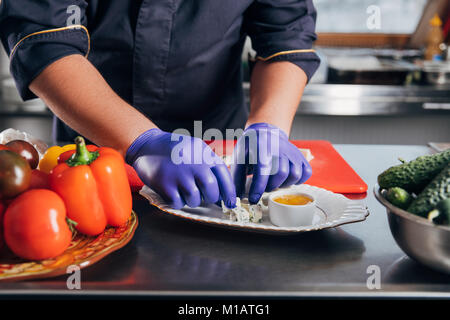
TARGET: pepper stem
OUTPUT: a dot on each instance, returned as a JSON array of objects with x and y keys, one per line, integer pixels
[
  {"x": 72, "y": 224},
  {"x": 82, "y": 156}
]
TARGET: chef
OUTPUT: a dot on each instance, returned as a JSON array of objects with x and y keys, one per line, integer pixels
[{"x": 128, "y": 73}]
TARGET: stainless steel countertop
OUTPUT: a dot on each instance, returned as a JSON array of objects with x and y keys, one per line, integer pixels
[{"x": 178, "y": 258}]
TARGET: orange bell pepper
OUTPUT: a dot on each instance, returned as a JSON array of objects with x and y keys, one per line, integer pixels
[
  {"x": 135, "y": 182},
  {"x": 64, "y": 156},
  {"x": 94, "y": 187}
]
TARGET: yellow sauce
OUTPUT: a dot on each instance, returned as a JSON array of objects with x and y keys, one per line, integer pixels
[{"x": 293, "y": 199}]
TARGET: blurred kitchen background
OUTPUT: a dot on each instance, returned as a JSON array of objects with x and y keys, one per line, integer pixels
[{"x": 384, "y": 77}]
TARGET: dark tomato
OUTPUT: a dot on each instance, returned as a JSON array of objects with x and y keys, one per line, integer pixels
[
  {"x": 15, "y": 174},
  {"x": 26, "y": 150}
]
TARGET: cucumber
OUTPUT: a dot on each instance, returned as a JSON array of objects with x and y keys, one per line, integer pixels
[
  {"x": 438, "y": 189},
  {"x": 399, "y": 197},
  {"x": 441, "y": 214},
  {"x": 413, "y": 176}
]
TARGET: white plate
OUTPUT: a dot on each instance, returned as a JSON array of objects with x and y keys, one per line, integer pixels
[{"x": 332, "y": 210}]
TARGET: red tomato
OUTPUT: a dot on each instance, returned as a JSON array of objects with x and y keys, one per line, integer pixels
[
  {"x": 35, "y": 226},
  {"x": 3, "y": 147},
  {"x": 39, "y": 180}
]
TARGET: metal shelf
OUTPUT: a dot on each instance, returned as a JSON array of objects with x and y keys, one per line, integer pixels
[
  {"x": 372, "y": 100},
  {"x": 347, "y": 100}
]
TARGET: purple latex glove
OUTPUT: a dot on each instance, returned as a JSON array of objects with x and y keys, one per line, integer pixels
[
  {"x": 265, "y": 151},
  {"x": 181, "y": 169}
]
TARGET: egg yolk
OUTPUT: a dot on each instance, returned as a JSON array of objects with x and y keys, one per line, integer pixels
[{"x": 293, "y": 199}]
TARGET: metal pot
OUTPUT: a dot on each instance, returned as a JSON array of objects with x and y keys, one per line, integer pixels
[
  {"x": 419, "y": 238},
  {"x": 436, "y": 72}
]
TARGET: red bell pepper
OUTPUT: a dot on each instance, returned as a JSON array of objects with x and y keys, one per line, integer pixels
[
  {"x": 135, "y": 182},
  {"x": 94, "y": 186}
]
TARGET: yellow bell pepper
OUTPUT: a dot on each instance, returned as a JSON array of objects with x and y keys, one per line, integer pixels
[{"x": 50, "y": 158}]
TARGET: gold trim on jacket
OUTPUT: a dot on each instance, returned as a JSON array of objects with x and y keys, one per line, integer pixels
[
  {"x": 50, "y": 31},
  {"x": 284, "y": 52}
]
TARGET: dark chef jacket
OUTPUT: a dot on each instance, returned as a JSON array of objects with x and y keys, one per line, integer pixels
[{"x": 174, "y": 60}]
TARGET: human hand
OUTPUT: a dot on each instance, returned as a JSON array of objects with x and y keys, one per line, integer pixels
[
  {"x": 265, "y": 151},
  {"x": 182, "y": 169}
]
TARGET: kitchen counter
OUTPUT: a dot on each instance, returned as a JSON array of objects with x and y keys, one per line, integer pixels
[{"x": 170, "y": 257}]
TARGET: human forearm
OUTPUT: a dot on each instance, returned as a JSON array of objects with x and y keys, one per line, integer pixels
[
  {"x": 276, "y": 89},
  {"x": 275, "y": 93},
  {"x": 77, "y": 93}
]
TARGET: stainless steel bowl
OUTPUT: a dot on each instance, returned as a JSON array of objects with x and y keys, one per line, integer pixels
[{"x": 419, "y": 238}]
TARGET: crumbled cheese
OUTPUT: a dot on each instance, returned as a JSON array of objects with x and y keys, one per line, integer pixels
[
  {"x": 244, "y": 211},
  {"x": 256, "y": 212}
]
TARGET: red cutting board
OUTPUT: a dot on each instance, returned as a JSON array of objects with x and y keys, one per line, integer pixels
[{"x": 330, "y": 170}]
